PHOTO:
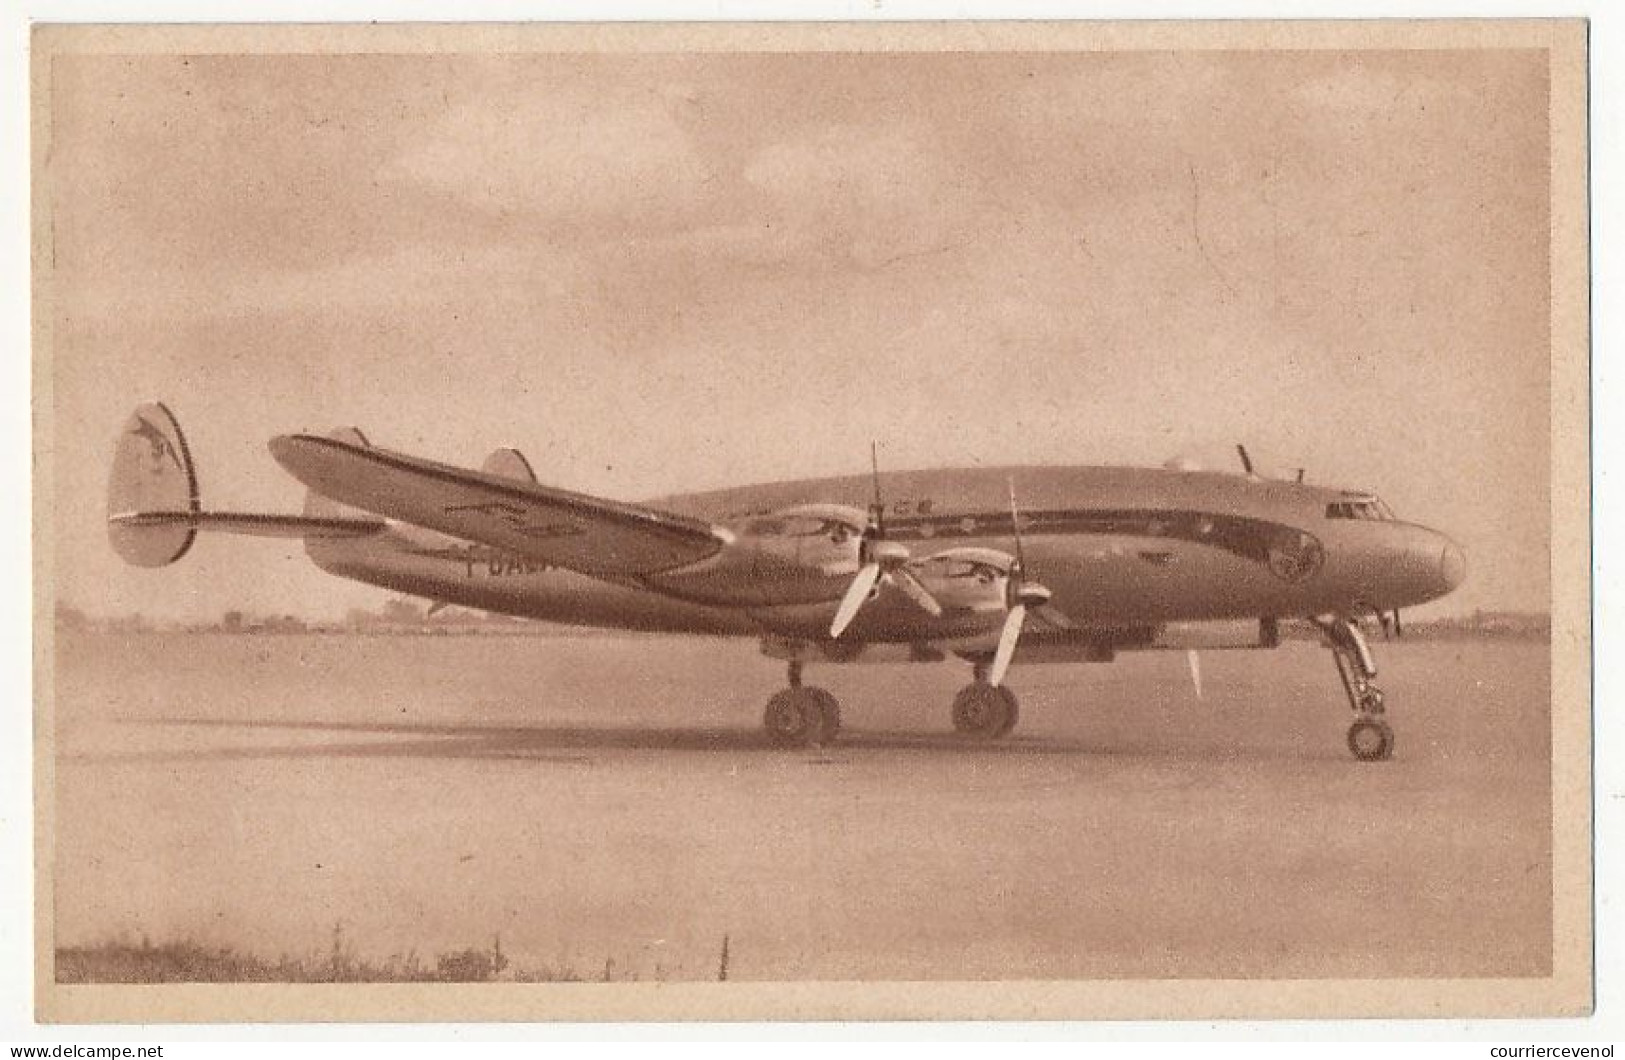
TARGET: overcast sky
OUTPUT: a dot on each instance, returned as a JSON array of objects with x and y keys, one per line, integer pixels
[{"x": 660, "y": 273}]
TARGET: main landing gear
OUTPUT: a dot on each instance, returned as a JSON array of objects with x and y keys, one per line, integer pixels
[
  {"x": 985, "y": 711},
  {"x": 1370, "y": 737},
  {"x": 804, "y": 716},
  {"x": 801, "y": 715}
]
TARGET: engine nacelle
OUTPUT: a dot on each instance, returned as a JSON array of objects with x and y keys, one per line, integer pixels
[
  {"x": 802, "y": 557},
  {"x": 967, "y": 579}
]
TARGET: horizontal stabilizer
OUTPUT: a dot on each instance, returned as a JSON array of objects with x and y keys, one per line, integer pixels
[
  {"x": 252, "y": 524},
  {"x": 153, "y": 510},
  {"x": 591, "y": 535}
]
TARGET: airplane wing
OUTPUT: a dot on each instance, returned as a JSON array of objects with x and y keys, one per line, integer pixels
[{"x": 586, "y": 534}]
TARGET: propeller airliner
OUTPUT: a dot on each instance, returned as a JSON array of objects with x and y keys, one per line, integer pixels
[{"x": 995, "y": 567}]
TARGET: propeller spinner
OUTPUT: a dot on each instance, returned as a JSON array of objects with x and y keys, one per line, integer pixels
[{"x": 879, "y": 560}]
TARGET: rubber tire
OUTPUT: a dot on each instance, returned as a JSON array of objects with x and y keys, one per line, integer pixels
[
  {"x": 830, "y": 710},
  {"x": 984, "y": 712},
  {"x": 1360, "y": 735},
  {"x": 801, "y": 717},
  {"x": 1012, "y": 717}
]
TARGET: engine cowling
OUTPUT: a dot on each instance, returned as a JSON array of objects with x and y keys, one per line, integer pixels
[{"x": 967, "y": 579}]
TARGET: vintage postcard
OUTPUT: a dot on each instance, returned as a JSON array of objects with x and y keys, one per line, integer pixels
[{"x": 948, "y": 521}]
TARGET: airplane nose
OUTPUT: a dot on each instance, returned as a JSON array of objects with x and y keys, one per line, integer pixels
[{"x": 1452, "y": 565}]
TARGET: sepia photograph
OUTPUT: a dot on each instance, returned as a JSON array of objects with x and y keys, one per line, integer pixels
[{"x": 763, "y": 522}]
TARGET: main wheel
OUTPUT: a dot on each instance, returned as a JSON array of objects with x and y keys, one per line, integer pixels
[
  {"x": 829, "y": 709},
  {"x": 1013, "y": 715},
  {"x": 983, "y": 711},
  {"x": 1371, "y": 739},
  {"x": 801, "y": 717}
]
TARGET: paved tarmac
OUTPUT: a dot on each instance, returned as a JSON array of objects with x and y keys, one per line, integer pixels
[{"x": 612, "y": 802}]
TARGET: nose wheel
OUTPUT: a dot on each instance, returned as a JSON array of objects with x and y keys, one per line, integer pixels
[
  {"x": 801, "y": 715},
  {"x": 1370, "y": 737}
]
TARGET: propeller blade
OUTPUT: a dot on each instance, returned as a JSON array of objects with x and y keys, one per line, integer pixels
[
  {"x": 1194, "y": 658},
  {"x": 905, "y": 580},
  {"x": 1399, "y": 628},
  {"x": 1008, "y": 636},
  {"x": 1015, "y": 524},
  {"x": 877, "y": 510},
  {"x": 1246, "y": 461},
  {"x": 856, "y": 594},
  {"x": 1054, "y": 617}
]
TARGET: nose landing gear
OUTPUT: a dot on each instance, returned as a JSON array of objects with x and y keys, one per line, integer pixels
[
  {"x": 801, "y": 715},
  {"x": 1370, "y": 737}
]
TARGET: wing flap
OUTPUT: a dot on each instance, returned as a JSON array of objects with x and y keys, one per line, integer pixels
[{"x": 586, "y": 534}]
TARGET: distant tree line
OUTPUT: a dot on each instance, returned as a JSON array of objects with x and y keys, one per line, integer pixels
[
  {"x": 404, "y": 614},
  {"x": 396, "y": 615}
]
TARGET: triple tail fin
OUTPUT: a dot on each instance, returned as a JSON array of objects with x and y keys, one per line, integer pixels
[
  {"x": 153, "y": 506},
  {"x": 152, "y": 476},
  {"x": 509, "y": 463}
]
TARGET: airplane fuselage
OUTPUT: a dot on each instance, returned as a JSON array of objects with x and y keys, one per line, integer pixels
[{"x": 1122, "y": 549}]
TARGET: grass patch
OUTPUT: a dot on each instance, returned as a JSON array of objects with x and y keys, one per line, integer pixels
[{"x": 187, "y": 961}]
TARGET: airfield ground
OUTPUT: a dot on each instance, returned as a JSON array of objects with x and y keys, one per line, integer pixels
[{"x": 600, "y": 800}]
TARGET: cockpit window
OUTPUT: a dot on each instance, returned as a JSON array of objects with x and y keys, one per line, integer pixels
[{"x": 1363, "y": 508}]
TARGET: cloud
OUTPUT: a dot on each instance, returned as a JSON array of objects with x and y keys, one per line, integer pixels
[
  {"x": 419, "y": 279},
  {"x": 872, "y": 194},
  {"x": 569, "y": 157}
]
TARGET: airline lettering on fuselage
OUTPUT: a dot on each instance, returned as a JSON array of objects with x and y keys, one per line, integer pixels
[
  {"x": 477, "y": 560},
  {"x": 923, "y": 506},
  {"x": 505, "y": 566}
]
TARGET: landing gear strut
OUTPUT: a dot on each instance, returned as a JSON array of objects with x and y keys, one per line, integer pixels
[
  {"x": 801, "y": 715},
  {"x": 1370, "y": 737},
  {"x": 983, "y": 710}
]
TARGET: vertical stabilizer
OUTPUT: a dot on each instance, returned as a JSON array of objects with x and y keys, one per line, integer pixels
[
  {"x": 509, "y": 463},
  {"x": 152, "y": 473}
]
